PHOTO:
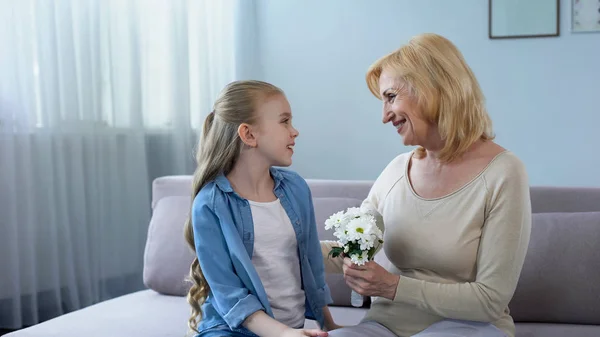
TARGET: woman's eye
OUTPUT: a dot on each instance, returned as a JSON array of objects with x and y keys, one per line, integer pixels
[
  {"x": 285, "y": 121},
  {"x": 391, "y": 97}
]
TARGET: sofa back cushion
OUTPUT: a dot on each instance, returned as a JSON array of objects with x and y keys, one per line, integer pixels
[
  {"x": 167, "y": 257},
  {"x": 558, "y": 199},
  {"x": 560, "y": 281}
]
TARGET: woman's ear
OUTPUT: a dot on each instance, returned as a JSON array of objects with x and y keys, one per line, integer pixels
[{"x": 246, "y": 134}]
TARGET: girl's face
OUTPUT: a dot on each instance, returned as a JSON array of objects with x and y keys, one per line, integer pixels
[{"x": 274, "y": 135}]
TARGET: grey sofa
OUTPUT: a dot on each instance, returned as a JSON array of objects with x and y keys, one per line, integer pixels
[{"x": 558, "y": 293}]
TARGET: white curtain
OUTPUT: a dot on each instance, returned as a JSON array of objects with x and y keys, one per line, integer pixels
[{"x": 97, "y": 98}]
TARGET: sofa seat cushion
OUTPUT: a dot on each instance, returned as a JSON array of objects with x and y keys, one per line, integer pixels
[
  {"x": 345, "y": 316},
  {"x": 143, "y": 313},
  {"x": 556, "y": 330}
]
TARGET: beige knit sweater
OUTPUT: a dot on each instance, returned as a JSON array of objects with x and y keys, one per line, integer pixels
[{"x": 459, "y": 256}]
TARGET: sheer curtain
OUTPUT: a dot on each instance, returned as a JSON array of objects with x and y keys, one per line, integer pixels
[{"x": 97, "y": 98}]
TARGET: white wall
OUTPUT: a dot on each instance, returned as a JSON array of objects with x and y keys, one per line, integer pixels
[{"x": 542, "y": 93}]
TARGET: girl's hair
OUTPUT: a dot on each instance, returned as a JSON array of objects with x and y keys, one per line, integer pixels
[
  {"x": 218, "y": 151},
  {"x": 436, "y": 75}
]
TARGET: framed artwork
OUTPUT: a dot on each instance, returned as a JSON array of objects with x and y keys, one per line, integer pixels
[
  {"x": 514, "y": 19},
  {"x": 585, "y": 16}
]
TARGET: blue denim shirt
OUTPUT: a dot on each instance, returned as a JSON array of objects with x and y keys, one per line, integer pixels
[{"x": 224, "y": 240}]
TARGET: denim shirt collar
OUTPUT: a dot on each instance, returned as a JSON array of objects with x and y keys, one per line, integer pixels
[{"x": 224, "y": 185}]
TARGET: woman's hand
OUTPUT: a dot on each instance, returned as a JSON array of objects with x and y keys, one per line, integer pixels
[
  {"x": 370, "y": 279},
  {"x": 303, "y": 332}
]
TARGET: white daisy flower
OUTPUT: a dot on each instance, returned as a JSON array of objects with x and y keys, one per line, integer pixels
[
  {"x": 358, "y": 228},
  {"x": 359, "y": 259},
  {"x": 342, "y": 235},
  {"x": 366, "y": 243},
  {"x": 353, "y": 212},
  {"x": 334, "y": 220}
]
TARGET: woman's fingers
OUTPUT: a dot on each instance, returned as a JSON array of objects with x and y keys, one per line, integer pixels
[
  {"x": 361, "y": 285},
  {"x": 348, "y": 263},
  {"x": 354, "y": 284},
  {"x": 355, "y": 270}
]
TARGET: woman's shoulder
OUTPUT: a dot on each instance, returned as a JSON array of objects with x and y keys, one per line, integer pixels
[
  {"x": 506, "y": 175},
  {"x": 401, "y": 159},
  {"x": 505, "y": 165},
  {"x": 393, "y": 172},
  {"x": 396, "y": 168}
]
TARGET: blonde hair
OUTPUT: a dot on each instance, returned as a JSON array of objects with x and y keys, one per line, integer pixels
[
  {"x": 218, "y": 151},
  {"x": 445, "y": 90}
]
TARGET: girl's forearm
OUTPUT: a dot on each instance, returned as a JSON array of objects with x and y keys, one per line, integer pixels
[
  {"x": 329, "y": 323},
  {"x": 264, "y": 325}
]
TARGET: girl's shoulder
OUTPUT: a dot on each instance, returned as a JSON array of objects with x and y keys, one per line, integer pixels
[
  {"x": 290, "y": 177},
  {"x": 206, "y": 197},
  {"x": 294, "y": 186}
]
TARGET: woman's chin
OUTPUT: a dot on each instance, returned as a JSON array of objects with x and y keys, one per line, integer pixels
[{"x": 407, "y": 139}]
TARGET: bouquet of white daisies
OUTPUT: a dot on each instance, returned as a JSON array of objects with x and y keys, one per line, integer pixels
[{"x": 357, "y": 233}]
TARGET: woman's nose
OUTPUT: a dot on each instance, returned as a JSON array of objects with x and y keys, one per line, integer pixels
[{"x": 387, "y": 115}]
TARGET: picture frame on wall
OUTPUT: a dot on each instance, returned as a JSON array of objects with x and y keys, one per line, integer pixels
[
  {"x": 517, "y": 19},
  {"x": 585, "y": 16}
]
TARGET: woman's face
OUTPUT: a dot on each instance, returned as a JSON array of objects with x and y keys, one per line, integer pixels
[{"x": 400, "y": 109}]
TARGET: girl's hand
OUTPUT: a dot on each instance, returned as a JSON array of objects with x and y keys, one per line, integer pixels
[
  {"x": 264, "y": 325},
  {"x": 304, "y": 332},
  {"x": 370, "y": 279},
  {"x": 333, "y": 326}
]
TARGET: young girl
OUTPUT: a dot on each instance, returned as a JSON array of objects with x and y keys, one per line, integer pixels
[{"x": 259, "y": 268}]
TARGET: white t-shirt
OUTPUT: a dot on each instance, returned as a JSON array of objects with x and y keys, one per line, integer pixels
[{"x": 275, "y": 258}]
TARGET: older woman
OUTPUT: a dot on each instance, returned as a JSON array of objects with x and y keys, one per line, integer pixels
[{"x": 456, "y": 210}]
